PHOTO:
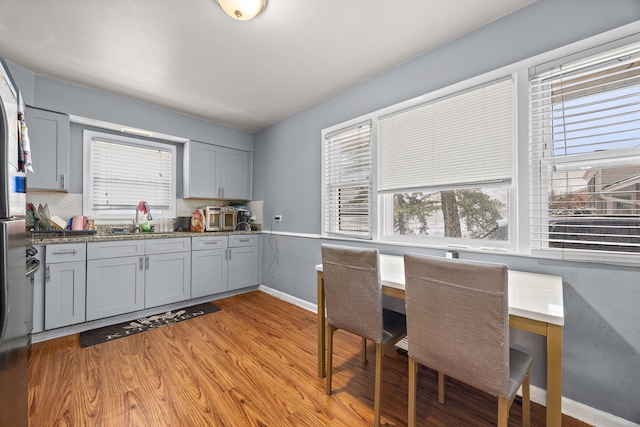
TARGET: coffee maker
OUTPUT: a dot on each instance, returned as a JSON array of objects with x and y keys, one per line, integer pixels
[{"x": 243, "y": 216}]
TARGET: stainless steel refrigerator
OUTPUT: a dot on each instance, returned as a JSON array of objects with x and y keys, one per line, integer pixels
[{"x": 16, "y": 291}]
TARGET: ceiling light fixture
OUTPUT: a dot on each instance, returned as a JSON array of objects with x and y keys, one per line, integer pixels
[{"x": 242, "y": 10}]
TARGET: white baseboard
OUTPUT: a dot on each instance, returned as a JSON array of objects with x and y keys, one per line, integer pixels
[
  {"x": 289, "y": 298},
  {"x": 574, "y": 409}
]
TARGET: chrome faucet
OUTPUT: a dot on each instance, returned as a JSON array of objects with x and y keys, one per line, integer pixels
[{"x": 136, "y": 223}]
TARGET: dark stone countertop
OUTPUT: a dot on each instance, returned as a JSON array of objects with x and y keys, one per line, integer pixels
[{"x": 49, "y": 239}]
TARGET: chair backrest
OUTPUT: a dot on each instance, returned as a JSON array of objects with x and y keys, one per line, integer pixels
[
  {"x": 353, "y": 292},
  {"x": 458, "y": 319}
]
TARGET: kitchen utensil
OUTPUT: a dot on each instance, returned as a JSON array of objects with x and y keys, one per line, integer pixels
[
  {"x": 44, "y": 220},
  {"x": 58, "y": 222},
  {"x": 47, "y": 214}
]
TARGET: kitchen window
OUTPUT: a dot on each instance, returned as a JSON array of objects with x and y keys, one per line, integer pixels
[
  {"x": 585, "y": 154},
  {"x": 121, "y": 171}
]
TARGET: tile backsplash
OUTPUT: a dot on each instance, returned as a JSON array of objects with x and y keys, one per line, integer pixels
[{"x": 66, "y": 205}]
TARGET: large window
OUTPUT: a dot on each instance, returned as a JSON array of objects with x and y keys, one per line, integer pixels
[
  {"x": 540, "y": 157},
  {"x": 347, "y": 181},
  {"x": 120, "y": 171},
  {"x": 585, "y": 153},
  {"x": 445, "y": 167}
]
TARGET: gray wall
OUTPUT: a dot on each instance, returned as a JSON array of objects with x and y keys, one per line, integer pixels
[
  {"x": 50, "y": 94},
  {"x": 601, "y": 360}
]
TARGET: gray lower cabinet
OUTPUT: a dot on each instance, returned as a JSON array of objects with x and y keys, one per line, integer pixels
[
  {"x": 115, "y": 278},
  {"x": 65, "y": 285},
  {"x": 130, "y": 275},
  {"x": 38, "y": 291},
  {"x": 242, "y": 261},
  {"x": 208, "y": 265},
  {"x": 167, "y": 271}
]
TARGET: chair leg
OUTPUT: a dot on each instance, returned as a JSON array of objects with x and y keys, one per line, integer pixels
[
  {"x": 441, "y": 387},
  {"x": 503, "y": 411},
  {"x": 364, "y": 351},
  {"x": 413, "y": 383},
  {"x": 526, "y": 402},
  {"x": 330, "y": 331},
  {"x": 378, "y": 387}
]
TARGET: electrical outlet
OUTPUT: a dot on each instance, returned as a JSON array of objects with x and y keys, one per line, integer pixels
[{"x": 278, "y": 218}]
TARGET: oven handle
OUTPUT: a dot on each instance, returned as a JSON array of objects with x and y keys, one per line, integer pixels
[{"x": 34, "y": 266}]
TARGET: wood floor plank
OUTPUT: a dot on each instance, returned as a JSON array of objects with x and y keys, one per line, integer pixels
[{"x": 251, "y": 364}]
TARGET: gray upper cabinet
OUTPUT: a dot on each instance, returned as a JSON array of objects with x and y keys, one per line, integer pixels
[
  {"x": 214, "y": 172},
  {"x": 49, "y": 138},
  {"x": 235, "y": 174}
]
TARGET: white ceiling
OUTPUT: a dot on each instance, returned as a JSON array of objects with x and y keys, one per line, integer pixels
[{"x": 188, "y": 56}]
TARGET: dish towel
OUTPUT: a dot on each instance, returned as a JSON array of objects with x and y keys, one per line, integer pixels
[{"x": 24, "y": 146}]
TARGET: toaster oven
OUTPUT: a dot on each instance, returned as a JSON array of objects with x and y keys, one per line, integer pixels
[{"x": 219, "y": 218}]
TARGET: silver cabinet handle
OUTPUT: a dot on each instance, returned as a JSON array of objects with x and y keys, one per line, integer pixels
[
  {"x": 48, "y": 273},
  {"x": 211, "y": 243},
  {"x": 140, "y": 264},
  {"x": 229, "y": 254},
  {"x": 147, "y": 261},
  {"x": 66, "y": 251},
  {"x": 243, "y": 240}
]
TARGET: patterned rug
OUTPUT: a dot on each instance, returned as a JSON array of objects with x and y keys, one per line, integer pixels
[{"x": 125, "y": 329}]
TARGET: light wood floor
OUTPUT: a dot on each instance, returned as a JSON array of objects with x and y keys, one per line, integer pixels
[{"x": 251, "y": 364}]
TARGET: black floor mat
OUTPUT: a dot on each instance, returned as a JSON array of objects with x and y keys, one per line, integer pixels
[{"x": 125, "y": 329}]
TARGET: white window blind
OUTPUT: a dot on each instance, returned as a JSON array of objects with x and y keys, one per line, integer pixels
[
  {"x": 585, "y": 153},
  {"x": 122, "y": 174},
  {"x": 348, "y": 184},
  {"x": 463, "y": 138}
]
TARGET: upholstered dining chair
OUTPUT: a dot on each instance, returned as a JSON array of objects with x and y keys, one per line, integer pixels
[
  {"x": 458, "y": 324},
  {"x": 353, "y": 294}
]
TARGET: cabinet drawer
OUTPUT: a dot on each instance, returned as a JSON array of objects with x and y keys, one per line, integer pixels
[
  {"x": 66, "y": 252},
  {"x": 164, "y": 246},
  {"x": 115, "y": 249},
  {"x": 208, "y": 242},
  {"x": 239, "y": 240}
]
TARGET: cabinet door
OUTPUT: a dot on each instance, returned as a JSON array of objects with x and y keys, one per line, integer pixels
[
  {"x": 49, "y": 138},
  {"x": 243, "y": 271},
  {"x": 168, "y": 278},
  {"x": 235, "y": 174},
  {"x": 201, "y": 170},
  {"x": 38, "y": 292},
  {"x": 114, "y": 286},
  {"x": 208, "y": 272},
  {"x": 64, "y": 294}
]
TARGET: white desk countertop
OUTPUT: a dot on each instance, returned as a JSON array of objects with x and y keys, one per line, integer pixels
[{"x": 531, "y": 295}]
